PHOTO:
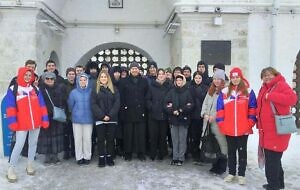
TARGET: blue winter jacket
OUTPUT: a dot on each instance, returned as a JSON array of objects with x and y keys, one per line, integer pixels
[{"x": 79, "y": 103}]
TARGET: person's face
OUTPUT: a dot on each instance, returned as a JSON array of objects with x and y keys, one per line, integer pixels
[
  {"x": 82, "y": 82},
  {"x": 31, "y": 66},
  {"x": 71, "y": 76},
  {"x": 161, "y": 76},
  {"x": 27, "y": 76},
  {"x": 117, "y": 75},
  {"x": 267, "y": 77},
  {"x": 177, "y": 72},
  {"x": 103, "y": 79},
  {"x": 104, "y": 68},
  {"x": 235, "y": 80},
  {"x": 79, "y": 70},
  {"x": 179, "y": 82},
  {"x": 51, "y": 67},
  {"x": 198, "y": 79},
  {"x": 93, "y": 71},
  {"x": 134, "y": 71},
  {"x": 187, "y": 73},
  {"x": 152, "y": 70},
  {"x": 49, "y": 81},
  {"x": 201, "y": 68},
  {"x": 169, "y": 75},
  {"x": 123, "y": 74},
  {"x": 217, "y": 82}
]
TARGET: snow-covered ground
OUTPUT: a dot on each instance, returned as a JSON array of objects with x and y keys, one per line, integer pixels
[{"x": 147, "y": 175}]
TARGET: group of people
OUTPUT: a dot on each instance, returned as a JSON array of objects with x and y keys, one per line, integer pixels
[{"x": 123, "y": 112}]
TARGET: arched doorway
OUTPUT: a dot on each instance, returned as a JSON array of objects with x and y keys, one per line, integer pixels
[
  {"x": 116, "y": 53},
  {"x": 54, "y": 57},
  {"x": 296, "y": 86}
]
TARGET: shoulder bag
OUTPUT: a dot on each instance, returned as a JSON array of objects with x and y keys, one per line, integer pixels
[
  {"x": 209, "y": 147},
  {"x": 285, "y": 124},
  {"x": 58, "y": 113}
]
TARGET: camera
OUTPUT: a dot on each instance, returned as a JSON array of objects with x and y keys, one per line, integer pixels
[{"x": 218, "y": 9}]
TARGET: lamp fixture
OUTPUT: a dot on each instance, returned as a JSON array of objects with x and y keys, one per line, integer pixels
[{"x": 117, "y": 29}]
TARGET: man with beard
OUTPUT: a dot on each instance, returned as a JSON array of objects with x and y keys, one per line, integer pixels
[{"x": 133, "y": 90}]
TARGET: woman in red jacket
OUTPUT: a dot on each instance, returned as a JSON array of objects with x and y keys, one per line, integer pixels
[
  {"x": 276, "y": 90},
  {"x": 26, "y": 113},
  {"x": 235, "y": 117}
]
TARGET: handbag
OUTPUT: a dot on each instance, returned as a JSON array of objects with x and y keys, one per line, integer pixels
[
  {"x": 58, "y": 113},
  {"x": 285, "y": 124},
  {"x": 209, "y": 147}
]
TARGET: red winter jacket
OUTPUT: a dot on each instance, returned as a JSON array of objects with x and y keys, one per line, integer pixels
[
  {"x": 26, "y": 110},
  {"x": 236, "y": 113},
  {"x": 283, "y": 97}
]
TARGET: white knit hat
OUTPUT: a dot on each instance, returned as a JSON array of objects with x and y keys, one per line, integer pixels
[{"x": 219, "y": 74}]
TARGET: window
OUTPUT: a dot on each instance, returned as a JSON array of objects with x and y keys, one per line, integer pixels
[
  {"x": 213, "y": 52},
  {"x": 120, "y": 57}
]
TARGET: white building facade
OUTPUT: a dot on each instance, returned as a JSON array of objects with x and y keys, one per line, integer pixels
[{"x": 252, "y": 34}]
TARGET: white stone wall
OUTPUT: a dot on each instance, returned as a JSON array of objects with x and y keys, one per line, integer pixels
[
  {"x": 288, "y": 41},
  {"x": 78, "y": 41},
  {"x": 47, "y": 41},
  {"x": 197, "y": 27},
  {"x": 132, "y": 11},
  {"x": 17, "y": 42},
  {"x": 176, "y": 48}
]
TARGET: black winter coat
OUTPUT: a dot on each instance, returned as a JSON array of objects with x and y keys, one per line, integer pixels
[
  {"x": 133, "y": 92},
  {"x": 57, "y": 94},
  {"x": 105, "y": 103},
  {"x": 155, "y": 103},
  {"x": 181, "y": 99},
  {"x": 198, "y": 93}
]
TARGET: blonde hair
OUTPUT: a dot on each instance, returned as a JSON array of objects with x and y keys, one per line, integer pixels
[{"x": 109, "y": 82}]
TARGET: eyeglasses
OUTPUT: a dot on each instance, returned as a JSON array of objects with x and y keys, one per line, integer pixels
[{"x": 49, "y": 78}]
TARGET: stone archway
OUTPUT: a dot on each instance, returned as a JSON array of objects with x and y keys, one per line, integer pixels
[
  {"x": 116, "y": 53},
  {"x": 296, "y": 86}
]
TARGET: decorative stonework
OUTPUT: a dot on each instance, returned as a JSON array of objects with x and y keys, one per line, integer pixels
[{"x": 296, "y": 86}]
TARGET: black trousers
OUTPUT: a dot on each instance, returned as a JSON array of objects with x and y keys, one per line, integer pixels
[
  {"x": 194, "y": 135},
  {"x": 69, "y": 137},
  {"x": 135, "y": 137},
  {"x": 273, "y": 170},
  {"x": 105, "y": 138},
  {"x": 158, "y": 137},
  {"x": 237, "y": 144},
  {"x": 94, "y": 139}
]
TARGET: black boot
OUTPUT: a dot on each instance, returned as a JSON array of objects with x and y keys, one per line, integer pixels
[
  {"x": 214, "y": 168},
  {"x": 128, "y": 156},
  {"x": 265, "y": 186},
  {"x": 141, "y": 157},
  {"x": 66, "y": 155},
  {"x": 55, "y": 159},
  {"x": 222, "y": 165},
  {"x": 110, "y": 161},
  {"x": 47, "y": 159},
  {"x": 101, "y": 162}
]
